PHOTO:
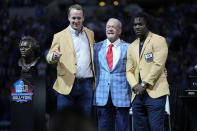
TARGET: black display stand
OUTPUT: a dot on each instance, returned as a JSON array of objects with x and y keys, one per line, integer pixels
[
  {"x": 30, "y": 116},
  {"x": 190, "y": 103}
]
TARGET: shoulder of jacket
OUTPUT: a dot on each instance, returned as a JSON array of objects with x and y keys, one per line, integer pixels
[
  {"x": 99, "y": 43},
  {"x": 88, "y": 30},
  {"x": 125, "y": 43},
  {"x": 134, "y": 42},
  {"x": 157, "y": 36},
  {"x": 60, "y": 33}
]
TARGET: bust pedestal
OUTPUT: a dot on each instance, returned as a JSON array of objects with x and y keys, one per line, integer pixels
[
  {"x": 30, "y": 115},
  {"x": 190, "y": 105}
]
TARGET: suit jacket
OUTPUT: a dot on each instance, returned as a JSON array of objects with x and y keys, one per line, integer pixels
[
  {"x": 114, "y": 81},
  {"x": 66, "y": 67},
  {"x": 150, "y": 64}
]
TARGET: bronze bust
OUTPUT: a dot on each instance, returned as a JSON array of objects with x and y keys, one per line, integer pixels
[
  {"x": 30, "y": 54},
  {"x": 28, "y": 93}
]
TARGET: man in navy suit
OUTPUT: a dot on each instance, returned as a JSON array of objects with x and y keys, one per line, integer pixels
[{"x": 112, "y": 95}]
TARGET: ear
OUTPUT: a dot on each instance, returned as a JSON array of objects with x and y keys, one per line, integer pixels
[
  {"x": 69, "y": 17},
  {"x": 83, "y": 18},
  {"x": 120, "y": 31}
]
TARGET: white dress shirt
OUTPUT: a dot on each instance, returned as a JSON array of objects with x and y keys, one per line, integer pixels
[
  {"x": 115, "y": 49},
  {"x": 82, "y": 52}
]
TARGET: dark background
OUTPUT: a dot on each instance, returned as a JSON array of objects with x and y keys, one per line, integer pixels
[{"x": 174, "y": 19}]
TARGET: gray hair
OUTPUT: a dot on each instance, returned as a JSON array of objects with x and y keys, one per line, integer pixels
[{"x": 119, "y": 22}]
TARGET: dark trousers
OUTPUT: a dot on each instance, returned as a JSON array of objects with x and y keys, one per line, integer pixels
[
  {"x": 80, "y": 96},
  {"x": 112, "y": 118},
  {"x": 148, "y": 113}
]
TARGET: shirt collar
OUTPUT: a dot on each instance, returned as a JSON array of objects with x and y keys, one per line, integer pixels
[
  {"x": 75, "y": 32},
  {"x": 116, "y": 43}
]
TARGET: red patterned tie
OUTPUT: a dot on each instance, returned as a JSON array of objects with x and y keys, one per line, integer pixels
[{"x": 110, "y": 57}]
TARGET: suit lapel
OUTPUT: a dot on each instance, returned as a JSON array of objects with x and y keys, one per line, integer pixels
[
  {"x": 90, "y": 40},
  {"x": 102, "y": 56},
  {"x": 121, "y": 55},
  {"x": 66, "y": 41},
  {"x": 145, "y": 43},
  {"x": 136, "y": 49}
]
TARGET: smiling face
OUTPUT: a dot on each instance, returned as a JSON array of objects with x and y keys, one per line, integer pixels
[
  {"x": 140, "y": 27},
  {"x": 76, "y": 19},
  {"x": 113, "y": 30},
  {"x": 26, "y": 49}
]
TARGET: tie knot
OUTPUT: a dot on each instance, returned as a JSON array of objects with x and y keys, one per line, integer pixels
[{"x": 110, "y": 46}]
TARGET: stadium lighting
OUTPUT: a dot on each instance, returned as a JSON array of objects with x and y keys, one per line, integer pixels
[
  {"x": 102, "y": 3},
  {"x": 115, "y": 3}
]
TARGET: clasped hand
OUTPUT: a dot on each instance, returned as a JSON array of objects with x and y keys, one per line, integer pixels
[{"x": 139, "y": 90}]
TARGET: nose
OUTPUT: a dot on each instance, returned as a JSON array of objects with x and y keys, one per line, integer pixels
[
  {"x": 76, "y": 20},
  {"x": 22, "y": 48},
  {"x": 137, "y": 26},
  {"x": 110, "y": 29}
]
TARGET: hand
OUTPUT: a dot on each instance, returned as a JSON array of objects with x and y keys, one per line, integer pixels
[
  {"x": 138, "y": 89},
  {"x": 141, "y": 90},
  {"x": 135, "y": 88},
  {"x": 56, "y": 55}
]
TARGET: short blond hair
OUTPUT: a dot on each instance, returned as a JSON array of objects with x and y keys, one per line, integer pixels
[{"x": 77, "y": 7}]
